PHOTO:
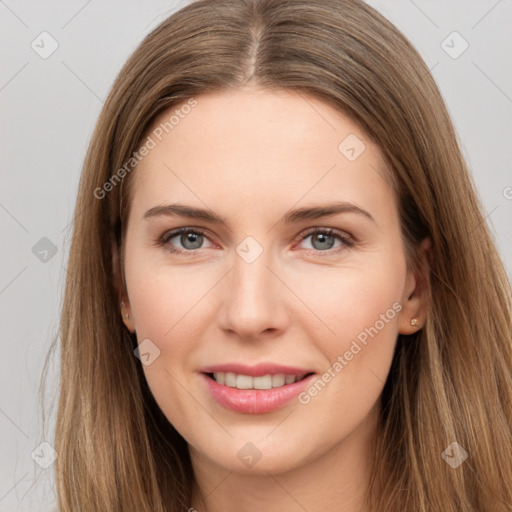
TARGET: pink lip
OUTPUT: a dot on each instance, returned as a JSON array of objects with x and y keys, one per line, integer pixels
[
  {"x": 255, "y": 401},
  {"x": 257, "y": 370}
]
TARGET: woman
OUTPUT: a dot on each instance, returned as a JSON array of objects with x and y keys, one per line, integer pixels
[{"x": 211, "y": 360}]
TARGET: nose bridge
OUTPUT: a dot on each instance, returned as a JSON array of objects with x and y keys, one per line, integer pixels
[{"x": 253, "y": 301}]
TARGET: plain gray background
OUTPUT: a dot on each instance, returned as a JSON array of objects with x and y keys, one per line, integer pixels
[{"x": 49, "y": 107}]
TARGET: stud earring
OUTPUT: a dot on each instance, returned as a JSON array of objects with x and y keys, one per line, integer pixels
[{"x": 414, "y": 321}]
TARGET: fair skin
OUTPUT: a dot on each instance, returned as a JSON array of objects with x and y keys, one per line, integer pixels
[{"x": 250, "y": 156}]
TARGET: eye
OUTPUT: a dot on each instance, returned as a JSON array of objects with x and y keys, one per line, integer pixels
[
  {"x": 190, "y": 238},
  {"x": 323, "y": 240}
]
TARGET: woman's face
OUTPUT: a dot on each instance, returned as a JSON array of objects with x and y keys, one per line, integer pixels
[{"x": 258, "y": 298}]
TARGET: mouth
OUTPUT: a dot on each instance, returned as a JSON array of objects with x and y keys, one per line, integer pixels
[
  {"x": 255, "y": 394},
  {"x": 269, "y": 381}
]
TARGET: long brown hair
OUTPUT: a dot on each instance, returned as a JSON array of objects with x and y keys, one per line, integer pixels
[{"x": 449, "y": 382}]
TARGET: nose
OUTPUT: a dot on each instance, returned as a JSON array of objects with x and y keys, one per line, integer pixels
[{"x": 254, "y": 300}]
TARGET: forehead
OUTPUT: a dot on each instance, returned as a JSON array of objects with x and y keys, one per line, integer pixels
[{"x": 253, "y": 148}]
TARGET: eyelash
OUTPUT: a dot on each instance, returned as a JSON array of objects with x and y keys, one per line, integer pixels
[{"x": 340, "y": 235}]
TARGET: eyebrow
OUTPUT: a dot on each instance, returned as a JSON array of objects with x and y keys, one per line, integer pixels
[{"x": 290, "y": 217}]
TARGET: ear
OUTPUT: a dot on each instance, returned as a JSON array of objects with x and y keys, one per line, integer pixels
[
  {"x": 119, "y": 285},
  {"x": 417, "y": 290}
]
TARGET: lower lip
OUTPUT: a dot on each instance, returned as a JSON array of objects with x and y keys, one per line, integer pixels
[{"x": 255, "y": 401}]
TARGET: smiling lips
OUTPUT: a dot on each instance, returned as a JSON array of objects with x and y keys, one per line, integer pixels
[{"x": 255, "y": 389}]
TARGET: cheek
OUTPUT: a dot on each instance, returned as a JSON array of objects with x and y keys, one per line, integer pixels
[
  {"x": 352, "y": 301},
  {"x": 361, "y": 307},
  {"x": 160, "y": 294},
  {"x": 167, "y": 309}
]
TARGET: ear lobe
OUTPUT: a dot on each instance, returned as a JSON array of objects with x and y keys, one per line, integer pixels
[
  {"x": 415, "y": 301},
  {"x": 126, "y": 314}
]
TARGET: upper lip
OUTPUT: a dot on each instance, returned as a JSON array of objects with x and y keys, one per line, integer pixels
[{"x": 257, "y": 370}]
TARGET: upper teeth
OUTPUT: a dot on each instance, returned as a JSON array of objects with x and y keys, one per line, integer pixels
[{"x": 234, "y": 380}]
